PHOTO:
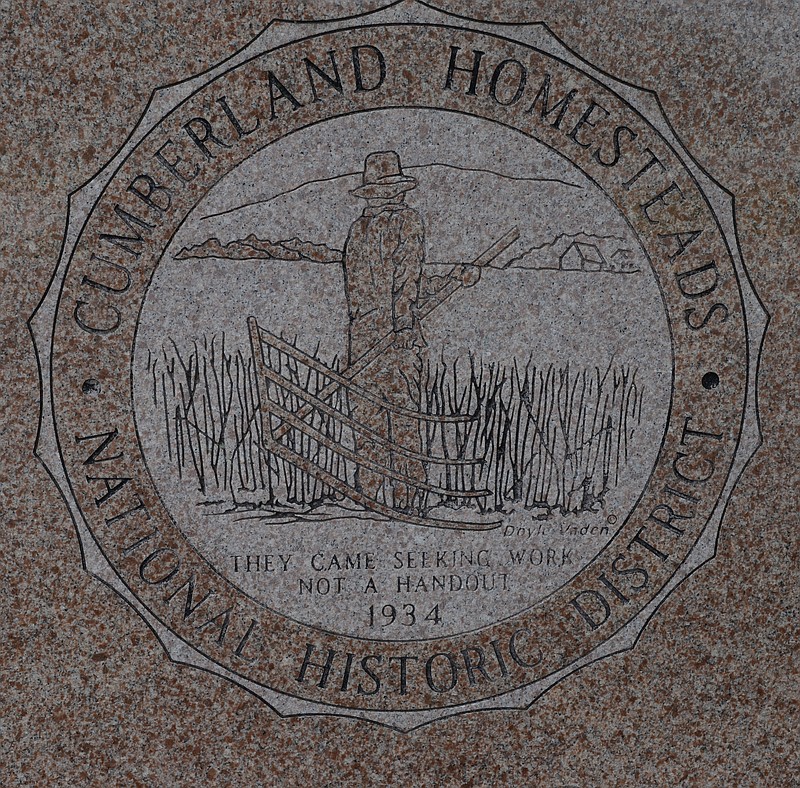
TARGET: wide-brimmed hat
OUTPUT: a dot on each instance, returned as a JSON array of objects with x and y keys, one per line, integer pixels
[{"x": 383, "y": 177}]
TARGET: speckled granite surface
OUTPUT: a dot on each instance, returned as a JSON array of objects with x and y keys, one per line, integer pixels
[{"x": 709, "y": 695}]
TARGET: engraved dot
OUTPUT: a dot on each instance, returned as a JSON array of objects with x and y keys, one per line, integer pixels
[
  {"x": 710, "y": 380},
  {"x": 611, "y": 519},
  {"x": 91, "y": 387}
]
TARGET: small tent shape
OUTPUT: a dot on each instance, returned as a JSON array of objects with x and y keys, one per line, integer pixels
[{"x": 623, "y": 261}]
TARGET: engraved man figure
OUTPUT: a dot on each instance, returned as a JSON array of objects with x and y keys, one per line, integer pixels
[{"x": 383, "y": 260}]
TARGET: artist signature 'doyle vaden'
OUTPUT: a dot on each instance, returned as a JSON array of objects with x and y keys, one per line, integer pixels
[{"x": 395, "y": 369}]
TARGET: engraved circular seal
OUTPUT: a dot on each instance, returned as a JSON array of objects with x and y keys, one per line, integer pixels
[{"x": 399, "y": 366}]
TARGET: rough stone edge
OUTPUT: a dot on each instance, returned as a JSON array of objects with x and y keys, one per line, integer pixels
[{"x": 275, "y": 34}]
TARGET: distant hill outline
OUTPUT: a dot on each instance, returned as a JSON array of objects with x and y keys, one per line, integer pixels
[
  {"x": 266, "y": 200},
  {"x": 294, "y": 250},
  {"x": 254, "y": 248},
  {"x": 531, "y": 253}
]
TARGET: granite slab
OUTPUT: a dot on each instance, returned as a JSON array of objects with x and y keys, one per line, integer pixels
[{"x": 422, "y": 380}]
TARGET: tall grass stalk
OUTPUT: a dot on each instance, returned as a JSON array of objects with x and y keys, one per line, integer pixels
[{"x": 550, "y": 438}]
